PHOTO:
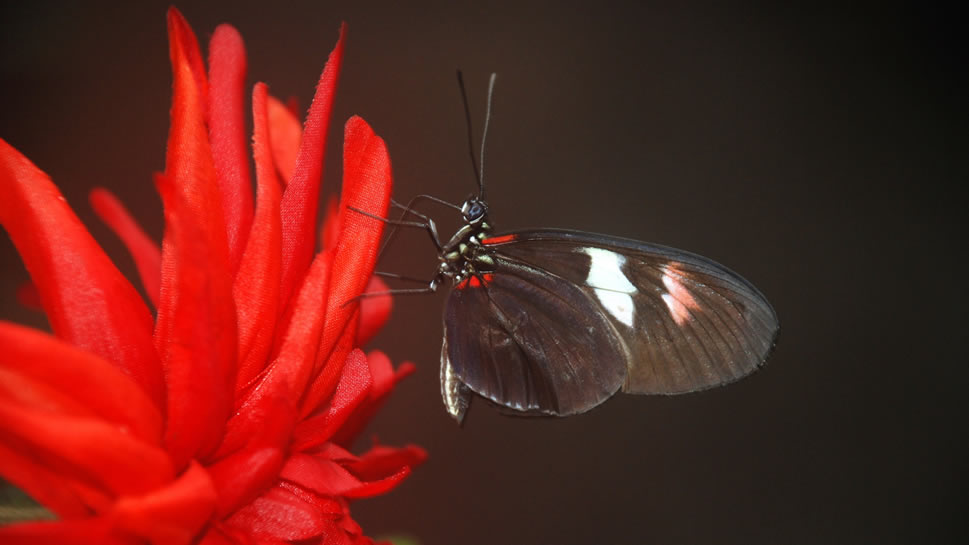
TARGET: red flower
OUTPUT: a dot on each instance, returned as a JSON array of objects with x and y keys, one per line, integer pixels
[{"x": 226, "y": 417}]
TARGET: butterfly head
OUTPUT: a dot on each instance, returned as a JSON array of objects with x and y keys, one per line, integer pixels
[{"x": 475, "y": 211}]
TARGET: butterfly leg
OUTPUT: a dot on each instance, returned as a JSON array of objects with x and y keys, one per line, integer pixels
[
  {"x": 396, "y": 291},
  {"x": 431, "y": 288},
  {"x": 427, "y": 225},
  {"x": 404, "y": 278}
]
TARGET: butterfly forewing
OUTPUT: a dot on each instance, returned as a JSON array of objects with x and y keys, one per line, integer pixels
[
  {"x": 685, "y": 323},
  {"x": 530, "y": 341}
]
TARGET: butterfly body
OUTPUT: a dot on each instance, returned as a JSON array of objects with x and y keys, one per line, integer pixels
[{"x": 463, "y": 258}]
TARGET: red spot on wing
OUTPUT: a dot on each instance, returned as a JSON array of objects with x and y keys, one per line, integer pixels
[
  {"x": 499, "y": 240},
  {"x": 475, "y": 281}
]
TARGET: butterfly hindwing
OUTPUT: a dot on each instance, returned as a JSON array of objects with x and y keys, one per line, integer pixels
[{"x": 530, "y": 341}]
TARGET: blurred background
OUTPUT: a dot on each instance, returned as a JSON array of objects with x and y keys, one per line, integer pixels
[{"x": 820, "y": 152}]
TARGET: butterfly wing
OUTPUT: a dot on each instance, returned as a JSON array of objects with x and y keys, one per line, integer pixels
[
  {"x": 686, "y": 322},
  {"x": 530, "y": 341}
]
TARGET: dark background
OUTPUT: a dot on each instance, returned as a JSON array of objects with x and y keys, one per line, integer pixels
[{"x": 820, "y": 152}]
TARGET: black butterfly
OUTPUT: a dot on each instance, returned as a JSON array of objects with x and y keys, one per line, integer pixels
[{"x": 552, "y": 322}]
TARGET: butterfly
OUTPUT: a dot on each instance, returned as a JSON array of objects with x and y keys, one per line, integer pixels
[{"x": 555, "y": 322}]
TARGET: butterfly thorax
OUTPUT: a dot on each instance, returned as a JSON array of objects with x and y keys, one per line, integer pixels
[{"x": 464, "y": 256}]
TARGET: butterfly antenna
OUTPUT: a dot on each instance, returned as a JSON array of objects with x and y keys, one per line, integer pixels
[
  {"x": 484, "y": 134},
  {"x": 467, "y": 118}
]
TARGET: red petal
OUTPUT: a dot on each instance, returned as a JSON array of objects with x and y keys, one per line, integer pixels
[
  {"x": 354, "y": 532},
  {"x": 144, "y": 250},
  {"x": 319, "y": 475},
  {"x": 298, "y": 205},
  {"x": 67, "y": 532},
  {"x": 285, "y": 136},
  {"x": 366, "y": 187},
  {"x": 330, "y": 232},
  {"x": 195, "y": 332},
  {"x": 329, "y": 367},
  {"x": 380, "y": 461},
  {"x": 384, "y": 380},
  {"x": 377, "y": 487},
  {"x": 374, "y": 310},
  {"x": 227, "y": 133},
  {"x": 330, "y": 479},
  {"x": 42, "y": 372},
  {"x": 219, "y": 534},
  {"x": 353, "y": 388},
  {"x": 189, "y": 49},
  {"x": 287, "y": 376},
  {"x": 103, "y": 454},
  {"x": 283, "y": 513},
  {"x": 49, "y": 488},
  {"x": 172, "y": 515},
  {"x": 332, "y": 451},
  {"x": 88, "y": 302},
  {"x": 256, "y": 288},
  {"x": 297, "y": 353},
  {"x": 242, "y": 476},
  {"x": 254, "y": 458},
  {"x": 338, "y": 536}
]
